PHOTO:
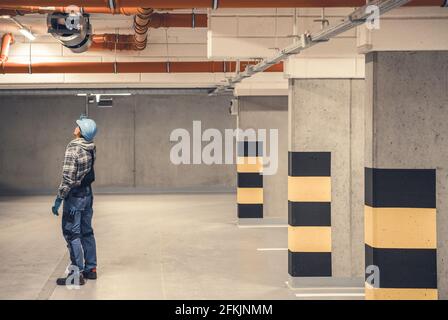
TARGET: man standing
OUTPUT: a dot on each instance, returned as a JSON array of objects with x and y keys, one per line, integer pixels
[{"x": 76, "y": 192}]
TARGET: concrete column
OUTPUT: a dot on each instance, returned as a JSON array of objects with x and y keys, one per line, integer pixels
[
  {"x": 406, "y": 203},
  {"x": 268, "y": 112},
  {"x": 325, "y": 180}
]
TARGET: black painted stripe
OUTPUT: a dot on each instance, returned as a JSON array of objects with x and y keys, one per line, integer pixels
[
  {"x": 250, "y": 211},
  {"x": 309, "y": 214},
  {"x": 404, "y": 268},
  {"x": 250, "y": 148},
  {"x": 402, "y": 188},
  {"x": 250, "y": 180},
  {"x": 309, "y": 164},
  {"x": 309, "y": 264}
]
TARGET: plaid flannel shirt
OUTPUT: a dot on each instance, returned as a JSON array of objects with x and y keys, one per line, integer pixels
[{"x": 77, "y": 163}]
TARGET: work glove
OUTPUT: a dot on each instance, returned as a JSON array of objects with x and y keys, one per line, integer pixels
[{"x": 57, "y": 205}]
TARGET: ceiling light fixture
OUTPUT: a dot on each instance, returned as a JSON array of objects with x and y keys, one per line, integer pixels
[
  {"x": 98, "y": 95},
  {"x": 103, "y": 100},
  {"x": 27, "y": 34}
]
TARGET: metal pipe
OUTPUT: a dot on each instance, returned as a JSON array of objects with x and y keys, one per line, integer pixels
[
  {"x": 7, "y": 40},
  {"x": 131, "y": 67},
  {"x": 131, "y": 6}
]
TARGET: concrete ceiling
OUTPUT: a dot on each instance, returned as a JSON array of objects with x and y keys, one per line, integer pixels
[{"x": 231, "y": 34}]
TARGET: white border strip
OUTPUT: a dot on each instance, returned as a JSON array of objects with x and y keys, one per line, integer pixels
[
  {"x": 328, "y": 295},
  {"x": 254, "y": 226}
]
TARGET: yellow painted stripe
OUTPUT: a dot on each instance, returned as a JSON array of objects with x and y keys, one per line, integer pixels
[
  {"x": 309, "y": 239},
  {"x": 404, "y": 228},
  {"x": 309, "y": 189},
  {"x": 249, "y": 195},
  {"x": 250, "y": 164},
  {"x": 400, "y": 294}
]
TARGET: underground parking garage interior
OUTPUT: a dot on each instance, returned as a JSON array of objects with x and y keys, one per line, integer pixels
[{"x": 224, "y": 150}]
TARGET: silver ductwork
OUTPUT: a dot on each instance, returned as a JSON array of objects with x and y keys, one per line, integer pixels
[{"x": 72, "y": 30}]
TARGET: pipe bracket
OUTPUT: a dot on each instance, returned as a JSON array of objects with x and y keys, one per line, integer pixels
[{"x": 112, "y": 6}]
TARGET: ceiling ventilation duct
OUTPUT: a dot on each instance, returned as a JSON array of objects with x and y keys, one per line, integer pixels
[{"x": 73, "y": 30}]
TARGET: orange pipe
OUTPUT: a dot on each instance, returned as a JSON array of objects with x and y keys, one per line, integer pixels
[
  {"x": 137, "y": 41},
  {"x": 11, "y": 12},
  {"x": 7, "y": 40},
  {"x": 141, "y": 27},
  {"x": 112, "y": 41},
  {"x": 26, "y": 9},
  {"x": 168, "y": 20},
  {"x": 97, "y": 6},
  {"x": 109, "y": 41},
  {"x": 131, "y": 67}
]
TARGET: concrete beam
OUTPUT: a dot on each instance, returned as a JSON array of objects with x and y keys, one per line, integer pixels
[
  {"x": 407, "y": 29},
  {"x": 325, "y": 67}
]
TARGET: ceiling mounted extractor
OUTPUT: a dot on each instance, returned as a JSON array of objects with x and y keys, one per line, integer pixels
[{"x": 72, "y": 29}]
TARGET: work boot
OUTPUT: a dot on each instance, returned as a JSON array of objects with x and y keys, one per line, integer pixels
[
  {"x": 63, "y": 281},
  {"x": 91, "y": 274}
]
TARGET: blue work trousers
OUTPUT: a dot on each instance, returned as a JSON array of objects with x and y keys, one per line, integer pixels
[{"x": 77, "y": 228}]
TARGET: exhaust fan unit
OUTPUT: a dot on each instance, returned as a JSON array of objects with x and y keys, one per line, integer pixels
[{"x": 73, "y": 30}]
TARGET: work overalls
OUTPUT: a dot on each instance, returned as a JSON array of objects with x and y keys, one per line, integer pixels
[{"x": 77, "y": 224}]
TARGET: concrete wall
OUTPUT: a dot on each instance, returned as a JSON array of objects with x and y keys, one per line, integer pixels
[
  {"x": 133, "y": 142},
  {"x": 264, "y": 112},
  {"x": 326, "y": 115},
  {"x": 406, "y": 127}
]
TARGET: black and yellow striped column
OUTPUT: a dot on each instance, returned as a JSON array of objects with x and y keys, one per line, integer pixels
[
  {"x": 400, "y": 233},
  {"x": 309, "y": 207},
  {"x": 250, "y": 179}
]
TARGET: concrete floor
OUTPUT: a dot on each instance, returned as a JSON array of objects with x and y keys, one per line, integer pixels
[{"x": 149, "y": 247}]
